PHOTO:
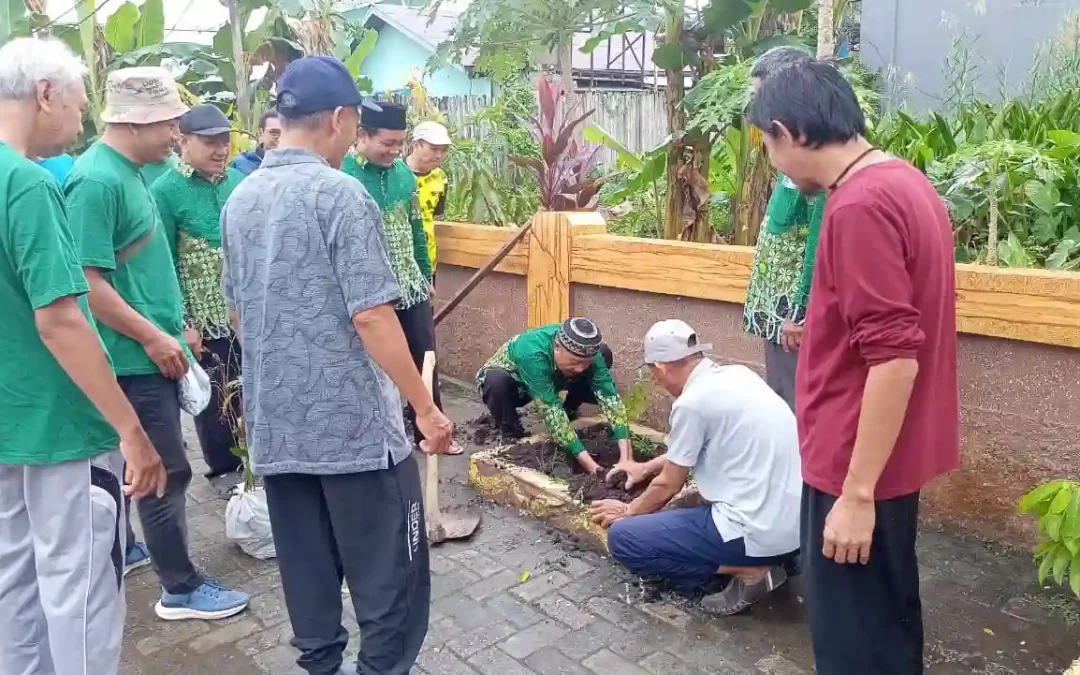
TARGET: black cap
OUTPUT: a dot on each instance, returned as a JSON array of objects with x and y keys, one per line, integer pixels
[
  {"x": 314, "y": 84},
  {"x": 580, "y": 337},
  {"x": 204, "y": 120},
  {"x": 383, "y": 115}
]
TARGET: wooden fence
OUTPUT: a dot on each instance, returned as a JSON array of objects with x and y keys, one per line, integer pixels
[
  {"x": 638, "y": 119},
  {"x": 1018, "y": 304}
]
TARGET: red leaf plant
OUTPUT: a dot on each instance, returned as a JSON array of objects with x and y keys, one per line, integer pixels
[{"x": 563, "y": 168}]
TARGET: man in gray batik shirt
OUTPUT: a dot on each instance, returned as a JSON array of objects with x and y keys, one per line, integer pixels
[{"x": 307, "y": 275}]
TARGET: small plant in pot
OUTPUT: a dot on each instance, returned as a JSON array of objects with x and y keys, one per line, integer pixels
[
  {"x": 564, "y": 170},
  {"x": 1056, "y": 506},
  {"x": 247, "y": 517}
]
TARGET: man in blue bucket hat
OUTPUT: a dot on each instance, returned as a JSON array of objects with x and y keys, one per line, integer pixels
[{"x": 306, "y": 273}]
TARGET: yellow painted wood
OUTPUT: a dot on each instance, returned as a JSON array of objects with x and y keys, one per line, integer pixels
[{"x": 1018, "y": 304}]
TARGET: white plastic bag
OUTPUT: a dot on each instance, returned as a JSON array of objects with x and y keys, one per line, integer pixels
[
  {"x": 247, "y": 522},
  {"x": 195, "y": 390}
]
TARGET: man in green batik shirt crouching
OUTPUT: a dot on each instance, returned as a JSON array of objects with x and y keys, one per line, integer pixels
[
  {"x": 190, "y": 197},
  {"x": 536, "y": 366},
  {"x": 783, "y": 267},
  {"x": 392, "y": 184}
]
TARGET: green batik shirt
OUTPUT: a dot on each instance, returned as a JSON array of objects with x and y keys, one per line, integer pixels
[
  {"x": 190, "y": 207},
  {"x": 394, "y": 189},
  {"x": 530, "y": 360},
  {"x": 783, "y": 264}
]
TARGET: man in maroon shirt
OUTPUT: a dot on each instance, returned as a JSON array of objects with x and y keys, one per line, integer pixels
[{"x": 877, "y": 393}]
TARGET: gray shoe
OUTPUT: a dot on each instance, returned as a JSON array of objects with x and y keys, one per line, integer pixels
[{"x": 738, "y": 595}]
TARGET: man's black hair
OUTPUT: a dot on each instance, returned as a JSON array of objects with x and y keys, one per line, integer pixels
[
  {"x": 812, "y": 100},
  {"x": 778, "y": 58},
  {"x": 271, "y": 114}
]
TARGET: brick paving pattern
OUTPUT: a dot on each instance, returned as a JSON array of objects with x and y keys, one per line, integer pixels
[{"x": 514, "y": 600}]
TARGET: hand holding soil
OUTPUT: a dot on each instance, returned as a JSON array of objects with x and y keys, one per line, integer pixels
[{"x": 629, "y": 473}]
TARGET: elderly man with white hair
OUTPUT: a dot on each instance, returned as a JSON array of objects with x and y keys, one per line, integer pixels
[{"x": 66, "y": 426}]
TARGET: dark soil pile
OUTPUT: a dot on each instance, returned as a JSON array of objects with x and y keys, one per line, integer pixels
[{"x": 551, "y": 460}]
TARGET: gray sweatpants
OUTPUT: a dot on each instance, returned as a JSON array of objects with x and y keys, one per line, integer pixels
[{"x": 61, "y": 567}]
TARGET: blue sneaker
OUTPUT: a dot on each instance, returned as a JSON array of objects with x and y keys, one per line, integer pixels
[
  {"x": 209, "y": 601},
  {"x": 137, "y": 556}
]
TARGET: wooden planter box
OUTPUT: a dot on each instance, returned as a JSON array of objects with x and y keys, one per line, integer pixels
[{"x": 540, "y": 495}]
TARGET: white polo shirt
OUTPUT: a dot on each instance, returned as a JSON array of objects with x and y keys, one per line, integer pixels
[{"x": 740, "y": 440}]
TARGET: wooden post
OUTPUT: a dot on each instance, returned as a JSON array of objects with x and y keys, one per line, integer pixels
[{"x": 551, "y": 244}]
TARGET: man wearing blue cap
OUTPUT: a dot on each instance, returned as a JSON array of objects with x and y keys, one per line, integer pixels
[{"x": 306, "y": 273}]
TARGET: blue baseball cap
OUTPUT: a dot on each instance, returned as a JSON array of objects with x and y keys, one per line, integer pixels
[{"x": 314, "y": 84}]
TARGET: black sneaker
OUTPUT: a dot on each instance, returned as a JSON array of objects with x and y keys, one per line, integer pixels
[{"x": 738, "y": 596}]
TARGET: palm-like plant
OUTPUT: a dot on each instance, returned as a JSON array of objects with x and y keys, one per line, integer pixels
[{"x": 563, "y": 169}]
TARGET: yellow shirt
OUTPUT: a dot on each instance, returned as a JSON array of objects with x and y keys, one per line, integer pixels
[{"x": 431, "y": 189}]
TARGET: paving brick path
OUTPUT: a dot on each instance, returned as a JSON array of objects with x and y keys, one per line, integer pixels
[{"x": 518, "y": 601}]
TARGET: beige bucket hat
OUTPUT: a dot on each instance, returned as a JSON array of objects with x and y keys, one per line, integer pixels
[{"x": 141, "y": 96}]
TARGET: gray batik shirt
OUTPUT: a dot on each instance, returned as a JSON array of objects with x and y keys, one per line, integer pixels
[{"x": 304, "y": 252}]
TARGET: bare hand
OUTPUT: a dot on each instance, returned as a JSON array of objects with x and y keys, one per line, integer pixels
[
  {"x": 165, "y": 351},
  {"x": 144, "y": 474},
  {"x": 635, "y": 472},
  {"x": 791, "y": 336},
  {"x": 194, "y": 342},
  {"x": 849, "y": 530},
  {"x": 431, "y": 290},
  {"x": 605, "y": 512},
  {"x": 589, "y": 465},
  {"x": 437, "y": 430}
]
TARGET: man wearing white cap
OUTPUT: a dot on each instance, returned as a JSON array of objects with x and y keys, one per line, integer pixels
[
  {"x": 135, "y": 297},
  {"x": 739, "y": 438},
  {"x": 430, "y": 145}
]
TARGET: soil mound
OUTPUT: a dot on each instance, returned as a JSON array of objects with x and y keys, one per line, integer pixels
[{"x": 548, "y": 458}]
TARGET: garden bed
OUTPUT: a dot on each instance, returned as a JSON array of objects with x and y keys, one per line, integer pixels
[{"x": 537, "y": 477}]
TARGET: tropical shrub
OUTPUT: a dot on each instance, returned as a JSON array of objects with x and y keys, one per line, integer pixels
[{"x": 1056, "y": 505}]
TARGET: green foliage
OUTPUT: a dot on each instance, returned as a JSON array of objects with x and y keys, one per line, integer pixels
[
  {"x": 484, "y": 186},
  {"x": 1056, "y": 506},
  {"x": 637, "y": 397}
]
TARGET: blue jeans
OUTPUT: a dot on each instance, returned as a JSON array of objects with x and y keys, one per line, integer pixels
[{"x": 681, "y": 546}]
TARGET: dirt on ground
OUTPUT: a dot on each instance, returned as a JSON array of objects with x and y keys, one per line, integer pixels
[{"x": 548, "y": 458}]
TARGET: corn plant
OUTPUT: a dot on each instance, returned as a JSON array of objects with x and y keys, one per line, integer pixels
[{"x": 1056, "y": 506}]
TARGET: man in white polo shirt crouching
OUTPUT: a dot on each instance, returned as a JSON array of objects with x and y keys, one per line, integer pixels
[{"x": 740, "y": 440}]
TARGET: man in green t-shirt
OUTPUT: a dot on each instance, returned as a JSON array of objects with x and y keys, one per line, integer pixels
[
  {"x": 190, "y": 198},
  {"x": 63, "y": 417},
  {"x": 135, "y": 296},
  {"x": 537, "y": 365}
]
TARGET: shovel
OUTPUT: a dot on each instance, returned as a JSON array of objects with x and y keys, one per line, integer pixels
[{"x": 441, "y": 526}]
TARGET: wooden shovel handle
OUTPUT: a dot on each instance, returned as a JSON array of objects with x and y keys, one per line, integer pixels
[{"x": 431, "y": 485}]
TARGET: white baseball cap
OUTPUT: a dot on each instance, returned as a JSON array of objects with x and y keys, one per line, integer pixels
[
  {"x": 433, "y": 133},
  {"x": 672, "y": 340}
]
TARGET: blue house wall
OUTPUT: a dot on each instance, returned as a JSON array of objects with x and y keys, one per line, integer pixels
[{"x": 395, "y": 55}]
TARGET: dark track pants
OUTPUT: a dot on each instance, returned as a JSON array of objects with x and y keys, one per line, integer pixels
[
  {"x": 865, "y": 619},
  {"x": 368, "y": 530},
  {"x": 221, "y": 361},
  {"x": 418, "y": 324}
]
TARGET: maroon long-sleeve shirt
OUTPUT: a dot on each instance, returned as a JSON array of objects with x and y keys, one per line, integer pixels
[{"x": 884, "y": 288}]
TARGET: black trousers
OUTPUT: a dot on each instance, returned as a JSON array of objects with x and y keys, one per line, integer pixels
[
  {"x": 865, "y": 619},
  {"x": 156, "y": 401},
  {"x": 503, "y": 395},
  {"x": 418, "y": 324},
  {"x": 221, "y": 361},
  {"x": 368, "y": 530}
]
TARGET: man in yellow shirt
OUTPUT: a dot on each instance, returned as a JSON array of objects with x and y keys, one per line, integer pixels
[{"x": 431, "y": 143}]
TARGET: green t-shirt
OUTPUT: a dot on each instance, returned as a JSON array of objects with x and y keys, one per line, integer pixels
[
  {"x": 44, "y": 417},
  {"x": 151, "y": 172},
  {"x": 530, "y": 360},
  {"x": 110, "y": 210}
]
